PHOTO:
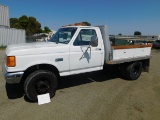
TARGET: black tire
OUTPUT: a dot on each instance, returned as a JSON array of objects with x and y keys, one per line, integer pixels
[
  {"x": 133, "y": 71},
  {"x": 40, "y": 82}
]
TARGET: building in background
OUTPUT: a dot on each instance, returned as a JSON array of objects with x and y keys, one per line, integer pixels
[
  {"x": 158, "y": 37},
  {"x": 4, "y": 16},
  {"x": 9, "y": 35},
  {"x": 44, "y": 36}
]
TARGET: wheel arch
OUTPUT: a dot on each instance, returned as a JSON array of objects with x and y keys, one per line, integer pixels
[
  {"x": 145, "y": 64},
  {"x": 33, "y": 68}
]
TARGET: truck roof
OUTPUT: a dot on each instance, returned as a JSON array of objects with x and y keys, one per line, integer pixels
[{"x": 79, "y": 26}]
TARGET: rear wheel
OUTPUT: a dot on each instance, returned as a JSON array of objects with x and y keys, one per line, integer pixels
[
  {"x": 131, "y": 71},
  {"x": 134, "y": 70},
  {"x": 40, "y": 82}
]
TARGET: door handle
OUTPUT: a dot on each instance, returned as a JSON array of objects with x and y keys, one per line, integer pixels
[{"x": 98, "y": 49}]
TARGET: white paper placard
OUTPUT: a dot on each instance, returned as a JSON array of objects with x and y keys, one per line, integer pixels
[{"x": 43, "y": 99}]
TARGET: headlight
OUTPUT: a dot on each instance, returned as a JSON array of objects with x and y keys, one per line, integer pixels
[{"x": 11, "y": 61}]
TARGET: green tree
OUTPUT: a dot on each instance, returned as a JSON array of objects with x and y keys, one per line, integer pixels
[
  {"x": 33, "y": 26},
  {"x": 87, "y": 23},
  {"x": 14, "y": 23},
  {"x": 137, "y": 33},
  {"x": 46, "y": 29},
  {"x": 120, "y": 34},
  {"x": 30, "y": 24},
  {"x": 24, "y": 21}
]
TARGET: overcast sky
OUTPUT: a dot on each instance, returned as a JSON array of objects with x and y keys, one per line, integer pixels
[{"x": 121, "y": 16}]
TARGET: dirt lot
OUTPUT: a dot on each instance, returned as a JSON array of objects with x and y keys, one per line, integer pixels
[{"x": 93, "y": 96}]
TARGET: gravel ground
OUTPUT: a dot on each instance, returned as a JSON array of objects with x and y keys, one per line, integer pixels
[{"x": 92, "y": 96}]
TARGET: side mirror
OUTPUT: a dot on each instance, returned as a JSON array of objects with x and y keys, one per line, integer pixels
[{"x": 94, "y": 41}]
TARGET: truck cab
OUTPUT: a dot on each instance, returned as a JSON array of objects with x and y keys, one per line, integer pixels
[{"x": 83, "y": 56}]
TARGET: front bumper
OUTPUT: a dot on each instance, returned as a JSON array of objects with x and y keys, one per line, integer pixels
[{"x": 14, "y": 77}]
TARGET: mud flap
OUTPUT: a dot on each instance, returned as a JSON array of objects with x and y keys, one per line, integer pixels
[{"x": 146, "y": 65}]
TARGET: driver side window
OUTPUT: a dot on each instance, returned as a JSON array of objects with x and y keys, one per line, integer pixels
[{"x": 84, "y": 37}]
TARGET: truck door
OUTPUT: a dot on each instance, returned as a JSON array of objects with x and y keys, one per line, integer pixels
[{"x": 84, "y": 57}]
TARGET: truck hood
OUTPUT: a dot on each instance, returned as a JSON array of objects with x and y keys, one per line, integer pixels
[{"x": 33, "y": 48}]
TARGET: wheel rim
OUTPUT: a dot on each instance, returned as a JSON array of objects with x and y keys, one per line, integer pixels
[{"x": 42, "y": 86}]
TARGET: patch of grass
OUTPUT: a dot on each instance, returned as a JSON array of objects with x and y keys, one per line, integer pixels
[{"x": 3, "y": 47}]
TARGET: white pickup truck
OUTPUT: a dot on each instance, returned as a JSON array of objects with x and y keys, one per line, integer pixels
[{"x": 72, "y": 50}]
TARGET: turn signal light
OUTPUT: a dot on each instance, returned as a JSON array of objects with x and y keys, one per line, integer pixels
[{"x": 11, "y": 61}]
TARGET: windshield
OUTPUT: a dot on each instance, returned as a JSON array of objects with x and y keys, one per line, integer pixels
[{"x": 63, "y": 35}]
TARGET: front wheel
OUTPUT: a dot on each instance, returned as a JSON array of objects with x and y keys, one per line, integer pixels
[{"x": 40, "y": 82}]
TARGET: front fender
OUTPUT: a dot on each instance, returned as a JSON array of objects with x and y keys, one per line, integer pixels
[{"x": 24, "y": 62}]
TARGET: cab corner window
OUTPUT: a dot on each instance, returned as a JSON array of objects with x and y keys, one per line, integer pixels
[{"x": 84, "y": 37}]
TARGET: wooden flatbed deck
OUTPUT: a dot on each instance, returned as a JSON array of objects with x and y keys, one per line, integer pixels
[{"x": 131, "y": 46}]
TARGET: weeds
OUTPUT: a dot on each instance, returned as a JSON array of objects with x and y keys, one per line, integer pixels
[{"x": 2, "y": 47}]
